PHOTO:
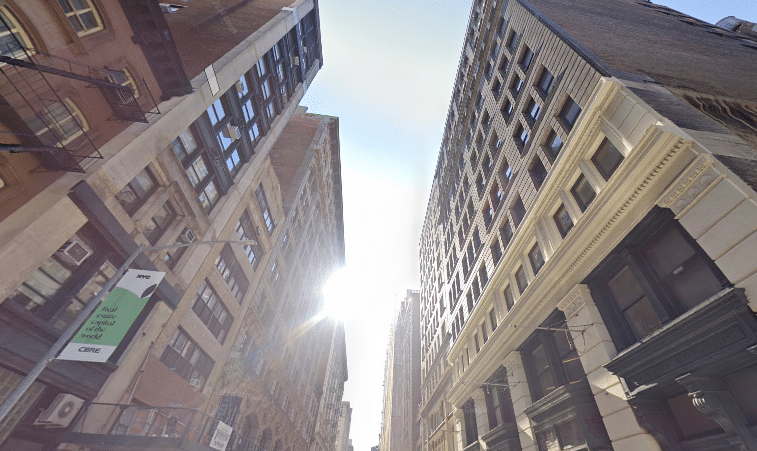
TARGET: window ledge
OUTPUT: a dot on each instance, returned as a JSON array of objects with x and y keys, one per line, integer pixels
[
  {"x": 714, "y": 333},
  {"x": 505, "y": 432},
  {"x": 560, "y": 405}
]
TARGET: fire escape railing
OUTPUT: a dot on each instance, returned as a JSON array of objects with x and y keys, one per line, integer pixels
[{"x": 36, "y": 118}]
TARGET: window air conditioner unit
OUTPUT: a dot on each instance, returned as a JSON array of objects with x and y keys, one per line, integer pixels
[
  {"x": 239, "y": 86},
  {"x": 60, "y": 413},
  {"x": 304, "y": 50},
  {"x": 232, "y": 132},
  {"x": 195, "y": 383},
  {"x": 187, "y": 236},
  {"x": 170, "y": 8},
  {"x": 295, "y": 61},
  {"x": 74, "y": 251}
]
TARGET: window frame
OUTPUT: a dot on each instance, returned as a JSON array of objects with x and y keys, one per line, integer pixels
[
  {"x": 206, "y": 311},
  {"x": 74, "y": 13},
  {"x": 202, "y": 368}
]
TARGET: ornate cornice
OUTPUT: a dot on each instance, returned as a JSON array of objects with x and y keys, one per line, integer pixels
[
  {"x": 574, "y": 300},
  {"x": 697, "y": 177}
]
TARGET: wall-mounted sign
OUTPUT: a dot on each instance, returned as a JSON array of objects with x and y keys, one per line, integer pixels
[
  {"x": 221, "y": 436},
  {"x": 102, "y": 333}
]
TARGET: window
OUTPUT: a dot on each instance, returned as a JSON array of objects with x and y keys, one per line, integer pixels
[
  {"x": 469, "y": 416},
  {"x": 59, "y": 124},
  {"x": 507, "y": 109},
  {"x": 654, "y": 278},
  {"x": 545, "y": 83},
  {"x": 537, "y": 172},
  {"x": 521, "y": 280},
  {"x": 553, "y": 144},
  {"x": 582, "y": 192},
  {"x": 208, "y": 196},
  {"x": 515, "y": 86},
  {"x": 184, "y": 144},
  {"x": 517, "y": 211},
  {"x": 506, "y": 232},
  {"x": 521, "y": 137},
  {"x": 526, "y": 59},
  {"x": 11, "y": 37},
  {"x": 501, "y": 25},
  {"x": 186, "y": 358},
  {"x": 217, "y": 111},
  {"x": 563, "y": 221},
  {"x": 495, "y": 195},
  {"x": 60, "y": 287},
  {"x": 536, "y": 258},
  {"x": 551, "y": 359},
  {"x": 172, "y": 257},
  {"x": 532, "y": 111},
  {"x": 156, "y": 226},
  {"x": 211, "y": 311},
  {"x": 499, "y": 406},
  {"x": 493, "y": 319},
  {"x": 512, "y": 41},
  {"x": 137, "y": 191},
  {"x": 504, "y": 65},
  {"x": 607, "y": 158},
  {"x": 228, "y": 265},
  {"x": 488, "y": 70},
  {"x": 245, "y": 231},
  {"x": 124, "y": 78},
  {"x": 496, "y": 251},
  {"x": 484, "y": 334},
  {"x": 497, "y": 88},
  {"x": 509, "y": 299},
  {"x": 569, "y": 113},
  {"x": 476, "y": 343},
  {"x": 82, "y": 16},
  {"x": 479, "y": 102},
  {"x": 197, "y": 171},
  {"x": 263, "y": 204}
]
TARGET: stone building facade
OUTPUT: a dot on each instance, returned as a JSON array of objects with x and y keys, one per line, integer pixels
[
  {"x": 343, "y": 429},
  {"x": 224, "y": 153},
  {"x": 399, "y": 429},
  {"x": 585, "y": 254}
]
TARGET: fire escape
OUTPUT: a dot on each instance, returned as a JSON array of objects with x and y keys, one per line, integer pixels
[{"x": 36, "y": 119}]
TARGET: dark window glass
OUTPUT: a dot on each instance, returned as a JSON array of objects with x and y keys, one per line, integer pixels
[
  {"x": 521, "y": 137},
  {"x": 563, "y": 220},
  {"x": 538, "y": 172},
  {"x": 211, "y": 311},
  {"x": 496, "y": 251},
  {"x": 536, "y": 258},
  {"x": 532, "y": 111},
  {"x": 569, "y": 113},
  {"x": 515, "y": 86},
  {"x": 137, "y": 191},
  {"x": 217, "y": 112},
  {"x": 521, "y": 280},
  {"x": 157, "y": 225},
  {"x": 517, "y": 211},
  {"x": 512, "y": 41},
  {"x": 545, "y": 83},
  {"x": 185, "y": 144},
  {"x": 246, "y": 231},
  {"x": 526, "y": 59},
  {"x": 506, "y": 232},
  {"x": 509, "y": 299},
  {"x": 691, "y": 421},
  {"x": 471, "y": 428},
  {"x": 504, "y": 65},
  {"x": 263, "y": 203},
  {"x": 186, "y": 359},
  {"x": 208, "y": 196},
  {"x": 493, "y": 319},
  {"x": 607, "y": 158},
  {"x": 507, "y": 109},
  {"x": 228, "y": 266},
  {"x": 496, "y": 88},
  {"x": 554, "y": 144},
  {"x": 583, "y": 192}
]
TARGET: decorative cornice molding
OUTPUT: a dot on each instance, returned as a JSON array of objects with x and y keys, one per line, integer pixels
[
  {"x": 575, "y": 299},
  {"x": 618, "y": 215},
  {"x": 692, "y": 182}
]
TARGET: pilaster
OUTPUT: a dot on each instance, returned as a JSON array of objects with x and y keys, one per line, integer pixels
[
  {"x": 595, "y": 348},
  {"x": 521, "y": 398},
  {"x": 482, "y": 420}
]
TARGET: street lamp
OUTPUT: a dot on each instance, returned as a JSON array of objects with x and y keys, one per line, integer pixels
[{"x": 84, "y": 313}]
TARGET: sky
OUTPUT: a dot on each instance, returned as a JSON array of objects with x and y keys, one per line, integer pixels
[{"x": 388, "y": 74}]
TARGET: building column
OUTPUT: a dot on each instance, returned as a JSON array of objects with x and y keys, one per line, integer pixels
[
  {"x": 458, "y": 428},
  {"x": 595, "y": 348},
  {"x": 521, "y": 399},
  {"x": 482, "y": 419}
]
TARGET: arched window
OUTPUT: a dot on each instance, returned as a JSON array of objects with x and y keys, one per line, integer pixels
[
  {"x": 82, "y": 15},
  {"x": 59, "y": 123},
  {"x": 13, "y": 38}
]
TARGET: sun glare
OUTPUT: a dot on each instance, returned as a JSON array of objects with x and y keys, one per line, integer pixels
[{"x": 338, "y": 291}]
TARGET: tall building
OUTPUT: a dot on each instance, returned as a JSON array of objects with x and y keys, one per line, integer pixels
[
  {"x": 137, "y": 123},
  {"x": 343, "y": 442},
  {"x": 399, "y": 430},
  {"x": 325, "y": 435},
  {"x": 587, "y": 279}
]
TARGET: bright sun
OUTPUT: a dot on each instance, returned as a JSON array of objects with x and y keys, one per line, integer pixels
[{"x": 338, "y": 291}]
